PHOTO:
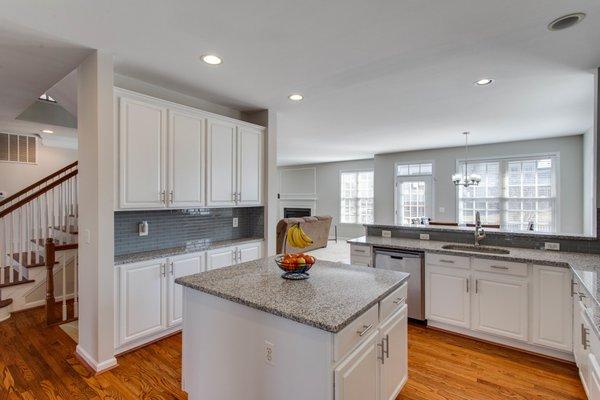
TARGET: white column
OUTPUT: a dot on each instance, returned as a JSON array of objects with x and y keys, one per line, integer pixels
[{"x": 96, "y": 230}]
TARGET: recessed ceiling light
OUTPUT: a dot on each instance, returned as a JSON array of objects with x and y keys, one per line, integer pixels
[
  {"x": 295, "y": 97},
  {"x": 47, "y": 131},
  {"x": 566, "y": 21},
  {"x": 212, "y": 59},
  {"x": 484, "y": 81}
]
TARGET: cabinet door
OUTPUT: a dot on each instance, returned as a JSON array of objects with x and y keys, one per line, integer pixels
[
  {"x": 250, "y": 162},
  {"x": 142, "y": 128},
  {"x": 186, "y": 160},
  {"x": 219, "y": 258},
  {"x": 221, "y": 163},
  {"x": 500, "y": 306},
  {"x": 594, "y": 381},
  {"x": 357, "y": 377},
  {"x": 581, "y": 342},
  {"x": 394, "y": 370},
  {"x": 250, "y": 251},
  {"x": 447, "y": 296},
  {"x": 552, "y": 309},
  {"x": 141, "y": 298},
  {"x": 178, "y": 267}
]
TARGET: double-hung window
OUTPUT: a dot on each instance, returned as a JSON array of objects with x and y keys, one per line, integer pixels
[
  {"x": 518, "y": 194},
  {"x": 356, "y": 197}
]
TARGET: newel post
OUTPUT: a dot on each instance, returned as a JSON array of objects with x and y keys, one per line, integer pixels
[{"x": 50, "y": 300}]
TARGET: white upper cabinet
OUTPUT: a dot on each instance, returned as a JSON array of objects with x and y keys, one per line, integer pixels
[
  {"x": 552, "y": 309},
  {"x": 250, "y": 161},
  {"x": 221, "y": 162},
  {"x": 500, "y": 305},
  {"x": 186, "y": 159},
  {"x": 142, "y": 127},
  {"x": 176, "y": 156}
]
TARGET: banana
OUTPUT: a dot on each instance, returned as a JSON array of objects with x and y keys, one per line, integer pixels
[
  {"x": 305, "y": 238},
  {"x": 297, "y": 238}
]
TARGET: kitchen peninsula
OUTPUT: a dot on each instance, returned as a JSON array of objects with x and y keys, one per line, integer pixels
[{"x": 248, "y": 333}]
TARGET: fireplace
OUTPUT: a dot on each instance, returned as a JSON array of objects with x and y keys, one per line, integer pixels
[{"x": 295, "y": 212}]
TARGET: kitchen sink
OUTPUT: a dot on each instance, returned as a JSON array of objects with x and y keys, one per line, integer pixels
[{"x": 477, "y": 249}]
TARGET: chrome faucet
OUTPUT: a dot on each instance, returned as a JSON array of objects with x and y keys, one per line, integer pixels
[{"x": 479, "y": 232}]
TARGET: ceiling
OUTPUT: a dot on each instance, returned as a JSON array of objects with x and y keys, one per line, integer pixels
[{"x": 377, "y": 76}]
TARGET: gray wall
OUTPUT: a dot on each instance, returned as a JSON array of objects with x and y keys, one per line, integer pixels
[
  {"x": 570, "y": 176},
  {"x": 589, "y": 182},
  {"x": 328, "y": 191}
]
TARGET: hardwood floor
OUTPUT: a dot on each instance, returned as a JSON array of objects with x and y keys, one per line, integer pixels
[{"x": 37, "y": 363}]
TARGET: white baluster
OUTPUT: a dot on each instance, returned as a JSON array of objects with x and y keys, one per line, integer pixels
[
  {"x": 11, "y": 241},
  {"x": 3, "y": 250},
  {"x": 38, "y": 230},
  {"x": 63, "y": 264},
  {"x": 20, "y": 234},
  {"x": 77, "y": 196},
  {"x": 46, "y": 234},
  {"x": 27, "y": 240},
  {"x": 61, "y": 210},
  {"x": 51, "y": 226},
  {"x": 75, "y": 285}
]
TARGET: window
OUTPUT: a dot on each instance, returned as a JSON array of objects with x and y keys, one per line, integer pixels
[
  {"x": 513, "y": 193},
  {"x": 18, "y": 148},
  {"x": 414, "y": 194},
  {"x": 356, "y": 197}
]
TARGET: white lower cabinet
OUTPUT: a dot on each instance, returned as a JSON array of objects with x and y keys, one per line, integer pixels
[
  {"x": 357, "y": 377},
  {"x": 500, "y": 306},
  {"x": 249, "y": 251},
  {"x": 447, "y": 296},
  {"x": 394, "y": 369},
  {"x": 226, "y": 256},
  {"x": 148, "y": 300}
]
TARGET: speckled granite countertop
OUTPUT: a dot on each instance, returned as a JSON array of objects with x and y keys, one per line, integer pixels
[
  {"x": 173, "y": 251},
  {"x": 333, "y": 296},
  {"x": 586, "y": 267}
]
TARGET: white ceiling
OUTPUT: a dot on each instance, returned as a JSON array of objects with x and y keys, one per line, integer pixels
[{"x": 377, "y": 76}]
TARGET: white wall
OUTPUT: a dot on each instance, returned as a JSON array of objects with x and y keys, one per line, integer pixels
[
  {"x": 328, "y": 191},
  {"x": 570, "y": 176},
  {"x": 16, "y": 176}
]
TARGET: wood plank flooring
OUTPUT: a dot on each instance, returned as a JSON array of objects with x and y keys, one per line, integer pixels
[{"x": 37, "y": 363}]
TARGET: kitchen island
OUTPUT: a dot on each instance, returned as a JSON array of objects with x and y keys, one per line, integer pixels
[{"x": 249, "y": 334}]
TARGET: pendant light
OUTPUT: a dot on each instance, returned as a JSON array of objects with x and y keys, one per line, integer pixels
[{"x": 460, "y": 179}]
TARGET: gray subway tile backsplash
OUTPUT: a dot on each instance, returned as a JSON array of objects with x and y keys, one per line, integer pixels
[{"x": 174, "y": 228}]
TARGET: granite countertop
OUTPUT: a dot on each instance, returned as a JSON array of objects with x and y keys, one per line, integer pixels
[
  {"x": 173, "y": 251},
  {"x": 333, "y": 296}
]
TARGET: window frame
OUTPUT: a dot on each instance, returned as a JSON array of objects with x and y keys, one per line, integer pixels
[
  {"x": 339, "y": 197},
  {"x": 503, "y": 161},
  {"x": 397, "y": 180}
]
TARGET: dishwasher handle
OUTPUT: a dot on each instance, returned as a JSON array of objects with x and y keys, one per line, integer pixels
[{"x": 398, "y": 255}]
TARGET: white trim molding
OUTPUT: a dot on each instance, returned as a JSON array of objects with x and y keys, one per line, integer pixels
[{"x": 98, "y": 367}]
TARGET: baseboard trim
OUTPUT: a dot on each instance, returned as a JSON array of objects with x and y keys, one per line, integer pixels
[
  {"x": 146, "y": 341},
  {"x": 536, "y": 350},
  {"x": 91, "y": 364}
]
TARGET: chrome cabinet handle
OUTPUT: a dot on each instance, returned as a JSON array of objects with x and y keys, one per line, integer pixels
[
  {"x": 387, "y": 345},
  {"x": 171, "y": 196},
  {"x": 467, "y": 279},
  {"x": 172, "y": 269},
  {"x": 382, "y": 358},
  {"x": 162, "y": 196},
  {"x": 234, "y": 256},
  {"x": 239, "y": 255},
  {"x": 399, "y": 300},
  {"x": 498, "y": 267},
  {"x": 447, "y": 261},
  {"x": 581, "y": 296},
  {"x": 573, "y": 291},
  {"x": 366, "y": 328},
  {"x": 163, "y": 270},
  {"x": 359, "y": 251},
  {"x": 476, "y": 285},
  {"x": 584, "y": 342}
]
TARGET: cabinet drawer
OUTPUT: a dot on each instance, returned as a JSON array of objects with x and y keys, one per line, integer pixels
[
  {"x": 360, "y": 260},
  {"x": 393, "y": 302},
  {"x": 499, "y": 267},
  {"x": 361, "y": 328},
  {"x": 443, "y": 260},
  {"x": 361, "y": 251}
]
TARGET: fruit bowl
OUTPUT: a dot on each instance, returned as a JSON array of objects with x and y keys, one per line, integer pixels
[{"x": 295, "y": 266}]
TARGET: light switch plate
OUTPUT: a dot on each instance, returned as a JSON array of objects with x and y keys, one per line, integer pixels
[
  {"x": 552, "y": 246},
  {"x": 386, "y": 234},
  {"x": 235, "y": 222},
  {"x": 424, "y": 236}
]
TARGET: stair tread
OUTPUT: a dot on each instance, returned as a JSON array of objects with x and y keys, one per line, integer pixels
[
  {"x": 4, "y": 303},
  {"x": 42, "y": 242},
  {"x": 35, "y": 262},
  {"x": 16, "y": 281}
]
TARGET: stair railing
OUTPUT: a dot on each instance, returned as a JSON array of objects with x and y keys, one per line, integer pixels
[
  {"x": 61, "y": 257},
  {"x": 25, "y": 225}
]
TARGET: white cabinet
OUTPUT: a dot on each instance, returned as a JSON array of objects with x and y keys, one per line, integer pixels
[
  {"x": 357, "y": 377},
  {"x": 447, "y": 295},
  {"x": 186, "y": 148},
  {"x": 226, "y": 256},
  {"x": 593, "y": 387},
  {"x": 180, "y": 266},
  {"x": 142, "y": 298},
  {"x": 500, "y": 305},
  {"x": 221, "y": 163},
  {"x": 234, "y": 164},
  {"x": 581, "y": 342},
  {"x": 142, "y": 135},
  {"x": 552, "y": 309},
  {"x": 394, "y": 369}
]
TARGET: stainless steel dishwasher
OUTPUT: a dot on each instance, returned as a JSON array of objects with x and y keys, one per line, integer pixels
[{"x": 414, "y": 264}]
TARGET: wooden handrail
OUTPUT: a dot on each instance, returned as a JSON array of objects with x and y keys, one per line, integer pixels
[
  {"x": 34, "y": 195},
  {"x": 38, "y": 183}
]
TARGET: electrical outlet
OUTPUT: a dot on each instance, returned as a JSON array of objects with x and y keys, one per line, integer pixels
[
  {"x": 424, "y": 236},
  {"x": 235, "y": 222},
  {"x": 269, "y": 353},
  {"x": 552, "y": 246},
  {"x": 143, "y": 228},
  {"x": 386, "y": 234},
  {"x": 442, "y": 209}
]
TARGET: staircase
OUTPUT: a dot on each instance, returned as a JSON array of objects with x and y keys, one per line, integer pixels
[{"x": 38, "y": 247}]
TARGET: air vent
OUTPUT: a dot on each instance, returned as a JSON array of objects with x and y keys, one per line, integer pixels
[
  {"x": 18, "y": 148},
  {"x": 566, "y": 21}
]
